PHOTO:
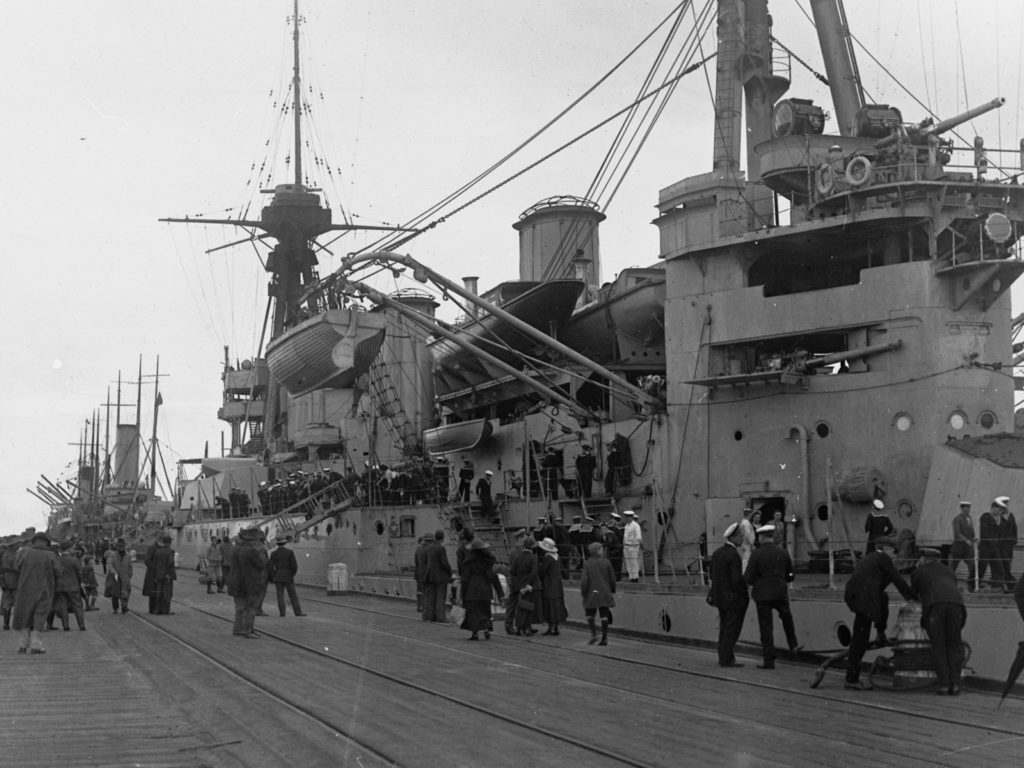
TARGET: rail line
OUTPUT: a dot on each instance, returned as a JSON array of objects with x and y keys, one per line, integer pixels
[
  {"x": 296, "y": 706},
  {"x": 860, "y": 702}
]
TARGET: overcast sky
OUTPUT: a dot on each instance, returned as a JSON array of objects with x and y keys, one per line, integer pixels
[{"x": 119, "y": 113}]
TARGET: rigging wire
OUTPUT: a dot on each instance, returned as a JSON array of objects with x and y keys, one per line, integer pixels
[{"x": 391, "y": 242}]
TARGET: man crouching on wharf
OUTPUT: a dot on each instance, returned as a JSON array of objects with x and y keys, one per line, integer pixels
[
  {"x": 729, "y": 594},
  {"x": 866, "y": 597},
  {"x": 943, "y": 616}
]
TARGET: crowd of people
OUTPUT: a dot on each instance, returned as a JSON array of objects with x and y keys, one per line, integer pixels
[{"x": 533, "y": 590}]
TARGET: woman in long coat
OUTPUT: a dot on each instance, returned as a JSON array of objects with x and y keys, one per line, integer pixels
[
  {"x": 479, "y": 581},
  {"x": 549, "y": 571},
  {"x": 118, "y": 586},
  {"x": 38, "y": 571},
  {"x": 524, "y": 582}
]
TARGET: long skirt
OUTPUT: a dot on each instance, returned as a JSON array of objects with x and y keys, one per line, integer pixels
[
  {"x": 554, "y": 610},
  {"x": 478, "y": 615}
]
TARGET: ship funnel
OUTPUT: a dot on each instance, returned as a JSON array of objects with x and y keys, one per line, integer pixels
[{"x": 556, "y": 232}]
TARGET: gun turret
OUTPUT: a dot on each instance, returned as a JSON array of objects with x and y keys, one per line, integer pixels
[{"x": 924, "y": 130}]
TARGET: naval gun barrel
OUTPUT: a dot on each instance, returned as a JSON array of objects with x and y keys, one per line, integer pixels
[
  {"x": 942, "y": 126},
  {"x": 853, "y": 354}
]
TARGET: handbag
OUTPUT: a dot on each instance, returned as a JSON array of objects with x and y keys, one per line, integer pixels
[
  {"x": 457, "y": 615},
  {"x": 525, "y": 605}
]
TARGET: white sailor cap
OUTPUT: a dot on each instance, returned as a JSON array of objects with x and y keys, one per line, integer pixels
[
  {"x": 766, "y": 529},
  {"x": 731, "y": 530},
  {"x": 879, "y": 504},
  {"x": 965, "y": 503},
  {"x": 629, "y": 513},
  {"x": 1000, "y": 501}
]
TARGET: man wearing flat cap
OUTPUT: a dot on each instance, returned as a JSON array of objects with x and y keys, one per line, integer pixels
[
  {"x": 283, "y": 567},
  {"x": 963, "y": 543},
  {"x": 247, "y": 582},
  {"x": 943, "y": 616},
  {"x": 729, "y": 594},
  {"x": 436, "y": 576},
  {"x": 866, "y": 596}
]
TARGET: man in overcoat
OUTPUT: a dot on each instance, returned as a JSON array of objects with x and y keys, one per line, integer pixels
[
  {"x": 164, "y": 576},
  {"x": 68, "y": 597},
  {"x": 597, "y": 588},
  {"x": 769, "y": 572},
  {"x": 866, "y": 596},
  {"x": 283, "y": 567},
  {"x": 729, "y": 594},
  {"x": 38, "y": 571},
  {"x": 436, "y": 575},
  {"x": 524, "y": 582},
  {"x": 118, "y": 586},
  {"x": 247, "y": 581},
  {"x": 943, "y": 616}
]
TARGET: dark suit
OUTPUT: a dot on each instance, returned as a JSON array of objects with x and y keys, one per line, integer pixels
[
  {"x": 729, "y": 596},
  {"x": 943, "y": 616},
  {"x": 283, "y": 568},
  {"x": 866, "y": 596},
  {"x": 769, "y": 572},
  {"x": 247, "y": 581},
  {"x": 436, "y": 574},
  {"x": 164, "y": 574}
]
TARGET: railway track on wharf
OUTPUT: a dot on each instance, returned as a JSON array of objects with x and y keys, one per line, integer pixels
[{"x": 419, "y": 694}]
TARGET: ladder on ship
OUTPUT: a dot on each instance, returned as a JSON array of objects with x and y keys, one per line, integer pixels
[
  {"x": 313, "y": 507},
  {"x": 388, "y": 403}
]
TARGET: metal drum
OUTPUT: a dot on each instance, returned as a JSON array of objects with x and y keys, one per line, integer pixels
[{"x": 912, "y": 660}]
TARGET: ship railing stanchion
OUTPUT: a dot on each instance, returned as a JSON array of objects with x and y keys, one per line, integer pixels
[{"x": 828, "y": 531}]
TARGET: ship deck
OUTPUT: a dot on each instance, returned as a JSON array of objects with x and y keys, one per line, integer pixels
[{"x": 361, "y": 681}]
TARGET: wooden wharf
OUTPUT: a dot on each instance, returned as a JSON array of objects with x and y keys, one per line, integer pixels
[{"x": 362, "y": 681}]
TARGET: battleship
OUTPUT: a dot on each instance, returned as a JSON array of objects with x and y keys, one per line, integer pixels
[{"x": 826, "y": 323}]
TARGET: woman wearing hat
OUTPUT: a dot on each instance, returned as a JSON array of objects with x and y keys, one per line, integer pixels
[
  {"x": 479, "y": 584},
  {"x": 549, "y": 572}
]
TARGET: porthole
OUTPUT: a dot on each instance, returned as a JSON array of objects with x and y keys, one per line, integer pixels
[
  {"x": 843, "y": 634},
  {"x": 379, "y": 527},
  {"x": 958, "y": 419},
  {"x": 822, "y": 512},
  {"x": 665, "y": 620},
  {"x": 903, "y": 422},
  {"x": 905, "y": 509},
  {"x": 822, "y": 429},
  {"x": 737, "y": 435},
  {"x": 987, "y": 419}
]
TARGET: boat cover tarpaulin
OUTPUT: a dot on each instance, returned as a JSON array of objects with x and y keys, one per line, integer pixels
[{"x": 452, "y": 438}]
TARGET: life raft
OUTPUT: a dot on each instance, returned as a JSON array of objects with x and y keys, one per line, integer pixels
[
  {"x": 858, "y": 171},
  {"x": 825, "y": 179}
]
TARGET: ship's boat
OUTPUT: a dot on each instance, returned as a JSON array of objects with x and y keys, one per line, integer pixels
[
  {"x": 453, "y": 438},
  {"x": 543, "y": 305},
  {"x": 625, "y": 323},
  {"x": 331, "y": 349}
]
